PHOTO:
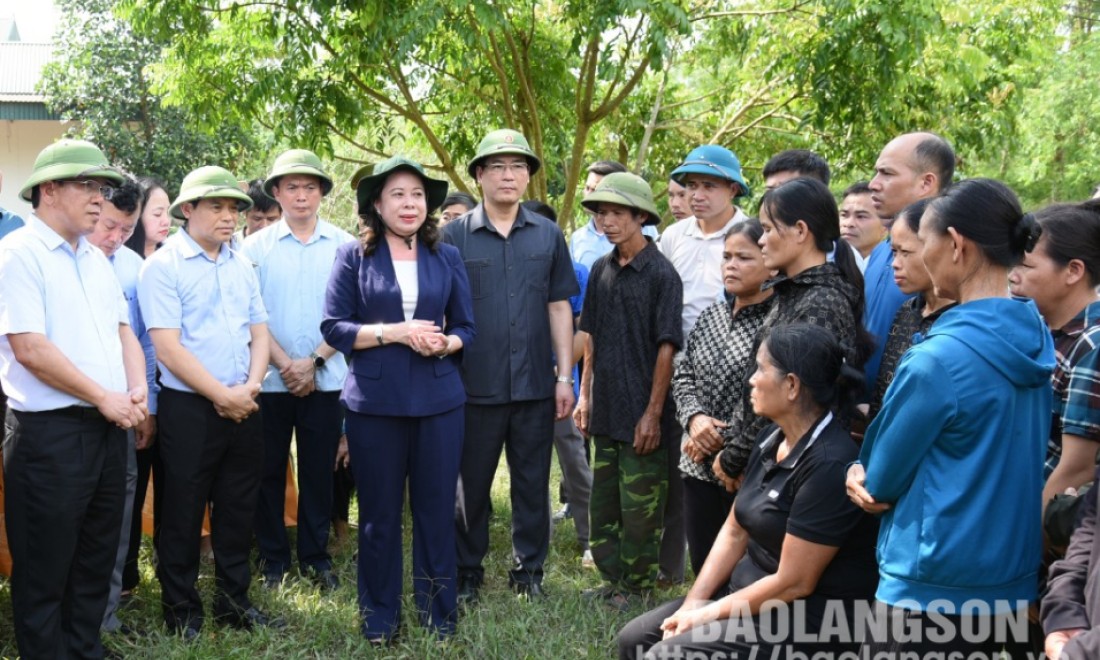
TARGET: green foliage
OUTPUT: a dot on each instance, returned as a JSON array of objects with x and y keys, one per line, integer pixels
[
  {"x": 98, "y": 80},
  {"x": 1059, "y": 138},
  {"x": 632, "y": 80}
]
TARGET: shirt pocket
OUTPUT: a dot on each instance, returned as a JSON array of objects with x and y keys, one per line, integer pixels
[
  {"x": 477, "y": 270},
  {"x": 538, "y": 271}
]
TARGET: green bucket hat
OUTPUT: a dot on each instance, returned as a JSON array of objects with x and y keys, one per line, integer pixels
[
  {"x": 297, "y": 161},
  {"x": 205, "y": 183},
  {"x": 366, "y": 185},
  {"x": 501, "y": 142},
  {"x": 69, "y": 159},
  {"x": 625, "y": 189}
]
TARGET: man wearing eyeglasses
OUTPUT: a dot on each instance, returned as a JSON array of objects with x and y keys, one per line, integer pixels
[
  {"x": 75, "y": 376},
  {"x": 521, "y": 278}
]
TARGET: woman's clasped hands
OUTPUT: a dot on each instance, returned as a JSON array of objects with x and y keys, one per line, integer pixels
[{"x": 424, "y": 337}]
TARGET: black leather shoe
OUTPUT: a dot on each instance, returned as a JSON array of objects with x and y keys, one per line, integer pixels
[
  {"x": 468, "y": 588},
  {"x": 529, "y": 591},
  {"x": 251, "y": 619},
  {"x": 325, "y": 579}
]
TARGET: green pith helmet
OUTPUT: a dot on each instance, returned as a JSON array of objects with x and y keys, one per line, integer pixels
[
  {"x": 624, "y": 189},
  {"x": 297, "y": 161},
  {"x": 501, "y": 142},
  {"x": 367, "y": 185},
  {"x": 69, "y": 159},
  {"x": 205, "y": 183}
]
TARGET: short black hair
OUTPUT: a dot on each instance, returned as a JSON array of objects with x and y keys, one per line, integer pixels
[
  {"x": 542, "y": 208},
  {"x": 803, "y": 162},
  {"x": 1072, "y": 231},
  {"x": 934, "y": 154},
  {"x": 857, "y": 188},
  {"x": 260, "y": 201},
  {"x": 128, "y": 196},
  {"x": 462, "y": 198},
  {"x": 605, "y": 167}
]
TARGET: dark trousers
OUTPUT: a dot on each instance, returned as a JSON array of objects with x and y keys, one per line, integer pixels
[
  {"x": 673, "y": 538},
  {"x": 524, "y": 430},
  {"x": 65, "y": 487},
  {"x": 148, "y": 466},
  {"x": 206, "y": 459},
  {"x": 343, "y": 487},
  {"x": 314, "y": 421},
  {"x": 734, "y": 638},
  {"x": 706, "y": 507},
  {"x": 385, "y": 453}
]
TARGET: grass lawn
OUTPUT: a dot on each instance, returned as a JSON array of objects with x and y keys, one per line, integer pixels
[{"x": 326, "y": 626}]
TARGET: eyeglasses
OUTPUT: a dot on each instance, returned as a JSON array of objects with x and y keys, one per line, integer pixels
[
  {"x": 518, "y": 167},
  {"x": 93, "y": 186}
]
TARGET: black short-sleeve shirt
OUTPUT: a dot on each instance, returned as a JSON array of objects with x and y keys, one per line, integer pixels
[
  {"x": 629, "y": 311},
  {"x": 512, "y": 280},
  {"x": 804, "y": 496}
]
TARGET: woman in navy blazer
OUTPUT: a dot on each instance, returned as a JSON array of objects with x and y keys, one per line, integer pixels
[{"x": 388, "y": 298}]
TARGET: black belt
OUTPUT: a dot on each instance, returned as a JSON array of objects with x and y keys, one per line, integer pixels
[{"x": 72, "y": 412}]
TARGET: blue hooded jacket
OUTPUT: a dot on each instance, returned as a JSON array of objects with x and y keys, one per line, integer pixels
[{"x": 957, "y": 450}]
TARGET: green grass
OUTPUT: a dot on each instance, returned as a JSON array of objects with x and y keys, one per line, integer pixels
[{"x": 326, "y": 625}]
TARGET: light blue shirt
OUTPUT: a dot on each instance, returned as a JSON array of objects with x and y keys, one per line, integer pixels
[
  {"x": 70, "y": 297},
  {"x": 127, "y": 265},
  {"x": 212, "y": 303},
  {"x": 587, "y": 245},
  {"x": 293, "y": 277},
  {"x": 9, "y": 222}
]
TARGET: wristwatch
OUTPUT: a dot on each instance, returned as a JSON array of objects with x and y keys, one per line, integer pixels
[
  {"x": 565, "y": 379},
  {"x": 378, "y": 329},
  {"x": 318, "y": 361}
]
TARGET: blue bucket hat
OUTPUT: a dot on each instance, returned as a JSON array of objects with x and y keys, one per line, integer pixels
[{"x": 713, "y": 160}]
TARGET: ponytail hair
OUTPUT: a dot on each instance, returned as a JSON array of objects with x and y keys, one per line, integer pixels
[
  {"x": 988, "y": 213},
  {"x": 814, "y": 355}
]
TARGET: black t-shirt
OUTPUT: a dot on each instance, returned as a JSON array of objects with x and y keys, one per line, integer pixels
[{"x": 804, "y": 496}]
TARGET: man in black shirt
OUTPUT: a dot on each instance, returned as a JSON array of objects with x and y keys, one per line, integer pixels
[
  {"x": 633, "y": 311},
  {"x": 521, "y": 278}
]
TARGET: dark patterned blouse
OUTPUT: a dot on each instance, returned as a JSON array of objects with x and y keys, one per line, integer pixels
[
  {"x": 908, "y": 322},
  {"x": 712, "y": 369},
  {"x": 820, "y": 296}
]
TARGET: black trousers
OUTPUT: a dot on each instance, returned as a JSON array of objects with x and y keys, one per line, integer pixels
[
  {"x": 149, "y": 466},
  {"x": 706, "y": 507},
  {"x": 206, "y": 459},
  {"x": 315, "y": 422},
  {"x": 65, "y": 488},
  {"x": 524, "y": 430},
  {"x": 674, "y": 537}
]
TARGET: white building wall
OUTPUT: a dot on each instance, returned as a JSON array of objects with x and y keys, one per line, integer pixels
[{"x": 20, "y": 142}]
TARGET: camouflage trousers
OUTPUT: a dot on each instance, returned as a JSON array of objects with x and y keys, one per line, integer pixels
[{"x": 627, "y": 512}]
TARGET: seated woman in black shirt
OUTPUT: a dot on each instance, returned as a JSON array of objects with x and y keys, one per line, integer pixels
[{"x": 792, "y": 535}]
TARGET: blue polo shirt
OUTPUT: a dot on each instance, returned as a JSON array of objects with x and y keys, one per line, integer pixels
[
  {"x": 71, "y": 297},
  {"x": 293, "y": 277},
  {"x": 127, "y": 265},
  {"x": 213, "y": 303},
  {"x": 882, "y": 299}
]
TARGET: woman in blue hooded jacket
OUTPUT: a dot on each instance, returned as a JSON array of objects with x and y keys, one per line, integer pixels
[{"x": 954, "y": 460}]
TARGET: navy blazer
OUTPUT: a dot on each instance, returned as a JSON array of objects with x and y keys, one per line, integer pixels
[{"x": 394, "y": 380}]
